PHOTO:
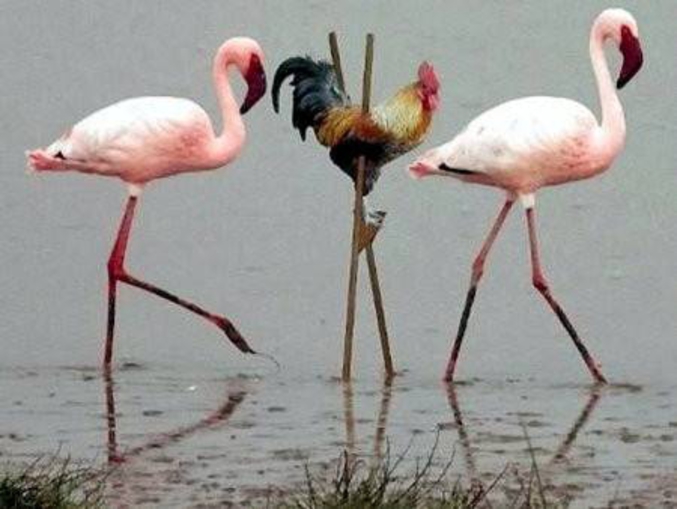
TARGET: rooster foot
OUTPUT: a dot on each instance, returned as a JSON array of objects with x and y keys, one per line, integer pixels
[{"x": 369, "y": 228}]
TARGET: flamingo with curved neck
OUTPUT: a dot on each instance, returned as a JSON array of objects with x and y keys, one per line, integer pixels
[
  {"x": 613, "y": 119},
  {"x": 241, "y": 53},
  {"x": 145, "y": 138},
  {"x": 525, "y": 144}
]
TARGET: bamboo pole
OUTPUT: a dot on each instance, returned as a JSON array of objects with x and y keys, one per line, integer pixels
[
  {"x": 336, "y": 59},
  {"x": 371, "y": 260},
  {"x": 380, "y": 313},
  {"x": 358, "y": 226},
  {"x": 366, "y": 76},
  {"x": 357, "y": 209}
]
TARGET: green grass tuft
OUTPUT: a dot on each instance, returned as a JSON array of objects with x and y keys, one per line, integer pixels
[
  {"x": 356, "y": 484},
  {"x": 53, "y": 484}
]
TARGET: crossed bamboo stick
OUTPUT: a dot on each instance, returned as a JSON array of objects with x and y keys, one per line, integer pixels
[{"x": 360, "y": 234}]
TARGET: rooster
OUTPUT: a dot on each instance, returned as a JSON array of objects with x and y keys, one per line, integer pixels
[{"x": 388, "y": 131}]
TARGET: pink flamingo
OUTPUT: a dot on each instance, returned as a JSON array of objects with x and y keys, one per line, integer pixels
[
  {"x": 146, "y": 138},
  {"x": 525, "y": 144}
]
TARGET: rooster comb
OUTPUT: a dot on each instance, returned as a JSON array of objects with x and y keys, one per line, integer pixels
[{"x": 428, "y": 76}]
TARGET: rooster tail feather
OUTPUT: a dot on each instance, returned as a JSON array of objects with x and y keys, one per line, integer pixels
[{"x": 316, "y": 91}]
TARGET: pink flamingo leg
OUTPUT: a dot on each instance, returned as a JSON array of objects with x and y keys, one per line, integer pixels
[
  {"x": 477, "y": 271},
  {"x": 117, "y": 272},
  {"x": 115, "y": 268},
  {"x": 542, "y": 286},
  {"x": 111, "y": 417}
]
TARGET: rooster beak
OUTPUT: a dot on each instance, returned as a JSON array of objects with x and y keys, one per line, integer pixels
[
  {"x": 256, "y": 84},
  {"x": 632, "y": 57}
]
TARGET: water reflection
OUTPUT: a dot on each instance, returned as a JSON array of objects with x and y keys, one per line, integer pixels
[
  {"x": 587, "y": 441},
  {"x": 462, "y": 433},
  {"x": 349, "y": 418},
  {"x": 583, "y": 418},
  {"x": 381, "y": 420},
  {"x": 221, "y": 415},
  {"x": 562, "y": 449}
]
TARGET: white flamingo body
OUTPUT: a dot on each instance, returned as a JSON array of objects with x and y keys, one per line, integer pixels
[
  {"x": 145, "y": 138},
  {"x": 142, "y": 139},
  {"x": 525, "y": 144}
]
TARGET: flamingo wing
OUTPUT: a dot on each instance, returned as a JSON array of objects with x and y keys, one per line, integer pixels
[
  {"x": 135, "y": 139},
  {"x": 517, "y": 137}
]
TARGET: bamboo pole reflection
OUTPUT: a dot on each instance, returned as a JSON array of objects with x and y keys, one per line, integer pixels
[
  {"x": 381, "y": 420},
  {"x": 349, "y": 419}
]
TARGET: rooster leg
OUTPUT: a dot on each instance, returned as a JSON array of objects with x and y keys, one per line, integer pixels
[
  {"x": 372, "y": 222},
  {"x": 372, "y": 215}
]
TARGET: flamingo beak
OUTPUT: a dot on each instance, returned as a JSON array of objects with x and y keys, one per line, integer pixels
[
  {"x": 632, "y": 57},
  {"x": 256, "y": 84}
]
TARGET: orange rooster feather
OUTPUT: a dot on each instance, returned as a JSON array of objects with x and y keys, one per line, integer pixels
[{"x": 389, "y": 130}]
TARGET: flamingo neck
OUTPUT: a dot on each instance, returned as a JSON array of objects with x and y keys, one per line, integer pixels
[
  {"x": 613, "y": 118},
  {"x": 227, "y": 145}
]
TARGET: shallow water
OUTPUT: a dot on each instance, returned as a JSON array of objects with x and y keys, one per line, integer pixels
[
  {"x": 267, "y": 242},
  {"x": 205, "y": 437}
]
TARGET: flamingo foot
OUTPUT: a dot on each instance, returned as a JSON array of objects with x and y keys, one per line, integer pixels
[{"x": 233, "y": 334}]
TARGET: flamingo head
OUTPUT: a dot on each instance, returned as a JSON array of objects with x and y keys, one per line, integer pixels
[
  {"x": 632, "y": 55},
  {"x": 428, "y": 86},
  {"x": 620, "y": 26},
  {"x": 246, "y": 54},
  {"x": 255, "y": 76}
]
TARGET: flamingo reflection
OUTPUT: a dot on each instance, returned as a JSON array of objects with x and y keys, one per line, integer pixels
[
  {"x": 219, "y": 416},
  {"x": 462, "y": 433},
  {"x": 583, "y": 418},
  {"x": 562, "y": 449}
]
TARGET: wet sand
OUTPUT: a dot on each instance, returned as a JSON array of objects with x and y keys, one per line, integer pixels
[
  {"x": 266, "y": 241},
  {"x": 205, "y": 438}
]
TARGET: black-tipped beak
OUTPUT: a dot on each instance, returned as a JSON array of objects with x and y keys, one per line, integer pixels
[
  {"x": 632, "y": 57},
  {"x": 256, "y": 84}
]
